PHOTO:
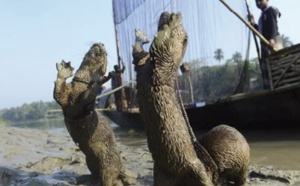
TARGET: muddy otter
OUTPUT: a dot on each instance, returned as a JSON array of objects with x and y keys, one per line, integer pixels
[
  {"x": 230, "y": 152},
  {"x": 139, "y": 55},
  {"x": 88, "y": 128},
  {"x": 177, "y": 161}
]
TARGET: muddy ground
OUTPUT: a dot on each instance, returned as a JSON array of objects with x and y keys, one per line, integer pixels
[{"x": 49, "y": 157}]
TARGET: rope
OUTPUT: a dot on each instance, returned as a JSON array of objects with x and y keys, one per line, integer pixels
[
  {"x": 201, "y": 152},
  {"x": 115, "y": 90},
  {"x": 254, "y": 36},
  {"x": 193, "y": 137}
]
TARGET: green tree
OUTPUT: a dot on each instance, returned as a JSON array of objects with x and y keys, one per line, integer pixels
[
  {"x": 237, "y": 57},
  {"x": 27, "y": 112},
  {"x": 214, "y": 82},
  {"x": 219, "y": 55}
]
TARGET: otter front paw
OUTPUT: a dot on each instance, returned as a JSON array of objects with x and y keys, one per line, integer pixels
[{"x": 64, "y": 69}]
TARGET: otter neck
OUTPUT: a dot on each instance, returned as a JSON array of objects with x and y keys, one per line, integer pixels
[
  {"x": 164, "y": 75},
  {"x": 161, "y": 114}
]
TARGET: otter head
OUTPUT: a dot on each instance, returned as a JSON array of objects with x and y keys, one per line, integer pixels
[
  {"x": 169, "y": 45},
  {"x": 65, "y": 70},
  {"x": 95, "y": 60},
  {"x": 163, "y": 20}
]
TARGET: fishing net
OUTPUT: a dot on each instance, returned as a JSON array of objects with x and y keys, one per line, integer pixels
[{"x": 209, "y": 25}]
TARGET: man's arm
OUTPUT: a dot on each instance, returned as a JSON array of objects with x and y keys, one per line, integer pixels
[
  {"x": 272, "y": 25},
  {"x": 106, "y": 78},
  {"x": 123, "y": 66},
  {"x": 252, "y": 21}
]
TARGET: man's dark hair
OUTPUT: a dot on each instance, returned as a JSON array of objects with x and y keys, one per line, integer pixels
[{"x": 116, "y": 67}]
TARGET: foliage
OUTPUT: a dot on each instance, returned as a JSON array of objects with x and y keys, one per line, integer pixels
[
  {"x": 2, "y": 122},
  {"x": 219, "y": 55},
  {"x": 27, "y": 112},
  {"x": 213, "y": 82},
  {"x": 286, "y": 42}
]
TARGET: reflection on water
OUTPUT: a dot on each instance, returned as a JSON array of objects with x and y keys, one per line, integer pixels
[
  {"x": 279, "y": 149},
  {"x": 279, "y": 154}
]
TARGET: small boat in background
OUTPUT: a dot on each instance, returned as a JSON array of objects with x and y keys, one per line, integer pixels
[{"x": 275, "y": 108}]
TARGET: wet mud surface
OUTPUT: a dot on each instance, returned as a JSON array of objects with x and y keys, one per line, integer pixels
[{"x": 50, "y": 157}]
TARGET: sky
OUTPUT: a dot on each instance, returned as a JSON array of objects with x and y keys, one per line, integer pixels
[{"x": 35, "y": 35}]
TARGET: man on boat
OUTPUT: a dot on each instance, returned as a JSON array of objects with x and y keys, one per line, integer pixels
[
  {"x": 267, "y": 26},
  {"x": 116, "y": 82}
]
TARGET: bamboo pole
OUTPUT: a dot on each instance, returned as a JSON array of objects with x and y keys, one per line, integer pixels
[
  {"x": 263, "y": 39},
  {"x": 118, "y": 53},
  {"x": 254, "y": 36}
]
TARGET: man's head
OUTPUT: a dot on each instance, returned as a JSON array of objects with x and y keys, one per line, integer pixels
[
  {"x": 116, "y": 67},
  {"x": 262, "y": 4}
]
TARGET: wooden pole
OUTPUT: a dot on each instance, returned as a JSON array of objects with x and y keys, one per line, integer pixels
[
  {"x": 263, "y": 39},
  {"x": 116, "y": 33},
  {"x": 254, "y": 36},
  {"x": 118, "y": 54},
  {"x": 191, "y": 86}
]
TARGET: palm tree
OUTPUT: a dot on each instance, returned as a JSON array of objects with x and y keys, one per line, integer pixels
[
  {"x": 286, "y": 42},
  {"x": 219, "y": 55},
  {"x": 237, "y": 57}
]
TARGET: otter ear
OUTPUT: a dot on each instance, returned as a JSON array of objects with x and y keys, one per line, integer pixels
[{"x": 68, "y": 65}]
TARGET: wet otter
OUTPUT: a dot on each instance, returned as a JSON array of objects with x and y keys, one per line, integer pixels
[
  {"x": 139, "y": 55},
  {"x": 223, "y": 153},
  {"x": 175, "y": 160},
  {"x": 230, "y": 151},
  {"x": 88, "y": 128}
]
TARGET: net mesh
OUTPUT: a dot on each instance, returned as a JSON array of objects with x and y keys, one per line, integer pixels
[{"x": 209, "y": 25}]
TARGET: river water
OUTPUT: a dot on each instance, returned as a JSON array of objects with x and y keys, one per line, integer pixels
[
  {"x": 277, "y": 148},
  {"x": 274, "y": 148}
]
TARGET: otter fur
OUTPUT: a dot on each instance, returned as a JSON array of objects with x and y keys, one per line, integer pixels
[
  {"x": 221, "y": 155},
  {"x": 88, "y": 128},
  {"x": 175, "y": 160},
  {"x": 230, "y": 152}
]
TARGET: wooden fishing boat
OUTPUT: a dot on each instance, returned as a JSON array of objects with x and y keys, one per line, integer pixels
[
  {"x": 278, "y": 107},
  {"x": 275, "y": 108},
  {"x": 258, "y": 110},
  {"x": 126, "y": 120}
]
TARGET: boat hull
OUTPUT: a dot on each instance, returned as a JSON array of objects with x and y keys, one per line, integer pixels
[
  {"x": 127, "y": 120},
  {"x": 259, "y": 110}
]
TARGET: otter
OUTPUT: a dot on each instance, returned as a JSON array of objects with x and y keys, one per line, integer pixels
[
  {"x": 175, "y": 160},
  {"x": 230, "y": 152},
  {"x": 140, "y": 56},
  {"x": 88, "y": 128},
  {"x": 220, "y": 155}
]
